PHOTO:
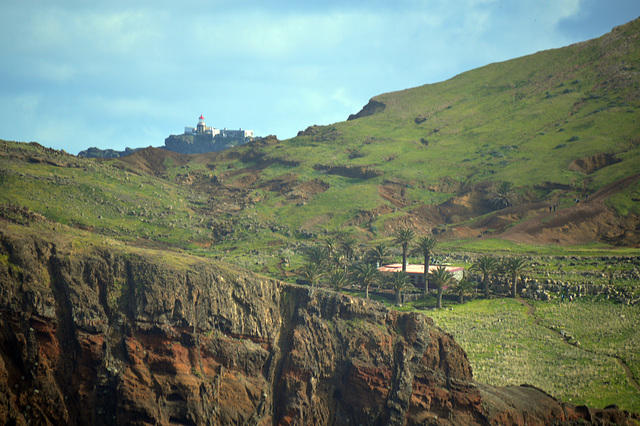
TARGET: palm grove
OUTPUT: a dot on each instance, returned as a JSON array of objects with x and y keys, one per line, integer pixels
[{"x": 338, "y": 263}]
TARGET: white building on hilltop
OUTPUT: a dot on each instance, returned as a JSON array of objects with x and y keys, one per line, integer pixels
[{"x": 202, "y": 129}]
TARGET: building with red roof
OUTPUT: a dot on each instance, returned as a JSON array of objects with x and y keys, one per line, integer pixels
[{"x": 416, "y": 272}]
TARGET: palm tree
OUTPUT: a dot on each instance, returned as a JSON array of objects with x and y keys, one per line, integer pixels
[
  {"x": 330, "y": 245},
  {"x": 399, "y": 282},
  {"x": 503, "y": 195},
  {"x": 338, "y": 279},
  {"x": 348, "y": 247},
  {"x": 441, "y": 278},
  {"x": 464, "y": 286},
  {"x": 404, "y": 237},
  {"x": 378, "y": 255},
  {"x": 318, "y": 255},
  {"x": 367, "y": 274},
  {"x": 486, "y": 265},
  {"x": 311, "y": 272},
  {"x": 339, "y": 261},
  {"x": 425, "y": 248},
  {"x": 514, "y": 266}
]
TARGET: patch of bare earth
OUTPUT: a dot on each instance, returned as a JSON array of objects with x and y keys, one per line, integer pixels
[
  {"x": 593, "y": 163},
  {"x": 294, "y": 190},
  {"x": 526, "y": 222},
  {"x": 469, "y": 203},
  {"x": 153, "y": 161},
  {"x": 581, "y": 223},
  {"x": 395, "y": 192}
]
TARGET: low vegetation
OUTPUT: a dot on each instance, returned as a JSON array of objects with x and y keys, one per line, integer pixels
[{"x": 573, "y": 353}]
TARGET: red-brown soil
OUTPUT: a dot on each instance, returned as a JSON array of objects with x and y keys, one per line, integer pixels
[
  {"x": 528, "y": 221},
  {"x": 583, "y": 222},
  {"x": 593, "y": 163},
  {"x": 154, "y": 160}
]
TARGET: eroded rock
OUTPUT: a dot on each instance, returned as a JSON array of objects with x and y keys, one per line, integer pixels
[{"x": 109, "y": 336}]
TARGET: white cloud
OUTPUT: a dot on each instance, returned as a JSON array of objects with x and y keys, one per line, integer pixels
[
  {"x": 263, "y": 35},
  {"x": 117, "y": 107},
  {"x": 88, "y": 33}
]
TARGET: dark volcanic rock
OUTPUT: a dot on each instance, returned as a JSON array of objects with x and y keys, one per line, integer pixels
[
  {"x": 112, "y": 336},
  {"x": 94, "y": 152},
  {"x": 357, "y": 172},
  {"x": 371, "y": 108},
  {"x": 200, "y": 143}
]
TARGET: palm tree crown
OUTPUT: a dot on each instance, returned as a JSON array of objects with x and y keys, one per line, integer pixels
[
  {"x": 464, "y": 286},
  {"x": 441, "y": 278},
  {"x": 486, "y": 265},
  {"x": 338, "y": 279},
  {"x": 514, "y": 266},
  {"x": 399, "y": 282},
  {"x": 503, "y": 195},
  {"x": 348, "y": 247},
  {"x": 367, "y": 274},
  {"x": 318, "y": 255},
  {"x": 378, "y": 255},
  {"x": 330, "y": 245},
  {"x": 311, "y": 272},
  {"x": 404, "y": 237},
  {"x": 425, "y": 248}
]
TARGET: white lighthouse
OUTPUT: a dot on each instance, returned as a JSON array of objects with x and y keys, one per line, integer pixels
[{"x": 201, "y": 125}]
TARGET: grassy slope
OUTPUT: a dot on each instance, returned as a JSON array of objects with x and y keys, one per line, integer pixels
[
  {"x": 94, "y": 194},
  {"x": 506, "y": 347},
  {"x": 523, "y": 121}
]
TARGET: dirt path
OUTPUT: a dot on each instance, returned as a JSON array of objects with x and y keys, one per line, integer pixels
[{"x": 537, "y": 321}]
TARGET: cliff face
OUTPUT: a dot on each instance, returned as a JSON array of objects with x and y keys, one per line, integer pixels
[{"x": 104, "y": 335}]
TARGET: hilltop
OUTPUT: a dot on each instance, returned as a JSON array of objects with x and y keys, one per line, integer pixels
[
  {"x": 559, "y": 125},
  {"x": 554, "y": 127},
  {"x": 194, "y": 140}
]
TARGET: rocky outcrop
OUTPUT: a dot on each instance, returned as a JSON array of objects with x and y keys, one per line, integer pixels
[
  {"x": 95, "y": 152},
  {"x": 593, "y": 163},
  {"x": 109, "y": 335},
  {"x": 371, "y": 108},
  {"x": 200, "y": 143},
  {"x": 356, "y": 172}
]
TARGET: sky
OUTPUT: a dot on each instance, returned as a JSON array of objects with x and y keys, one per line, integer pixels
[{"x": 76, "y": 74}]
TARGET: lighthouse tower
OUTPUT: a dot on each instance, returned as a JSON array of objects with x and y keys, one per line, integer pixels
[{"x": 201, "y": 125}]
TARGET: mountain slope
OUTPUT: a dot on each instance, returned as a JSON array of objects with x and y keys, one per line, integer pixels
[{"x": 558, "y": 125}]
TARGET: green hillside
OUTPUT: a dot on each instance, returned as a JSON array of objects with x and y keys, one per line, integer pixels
[
  {"x": 558, "y": 125},
  {"x": 524, "y": 121}
]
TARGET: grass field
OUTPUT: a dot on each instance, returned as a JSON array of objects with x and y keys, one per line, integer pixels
[{"x": 507, "y": 346}]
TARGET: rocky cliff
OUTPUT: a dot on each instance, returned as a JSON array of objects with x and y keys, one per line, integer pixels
[
  {"x": 93, "y": 332},
  {"x": 95, "y": 152},
  {"x": 201, "y": 143}
]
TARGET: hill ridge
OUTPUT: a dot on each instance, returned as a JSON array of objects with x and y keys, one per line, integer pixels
[{"x": 557, "y": 126}]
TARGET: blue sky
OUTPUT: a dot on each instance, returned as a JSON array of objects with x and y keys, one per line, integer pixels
[{"x": 76, "y": 74}]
